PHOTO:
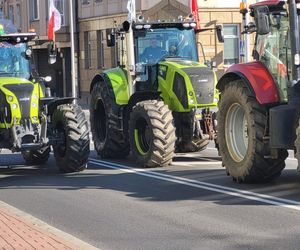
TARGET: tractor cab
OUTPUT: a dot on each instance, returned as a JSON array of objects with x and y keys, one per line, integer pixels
[{"x": 161, "y": 42}]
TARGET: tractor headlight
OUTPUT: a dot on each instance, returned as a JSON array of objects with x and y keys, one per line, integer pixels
[
  {"x": 193, "y": 25},
  {"x": 10, "y": 98},
  {"x": 139, "y": 26},
  {"x": 34, "y": 105},
  {"x": 14, "y": 106}
]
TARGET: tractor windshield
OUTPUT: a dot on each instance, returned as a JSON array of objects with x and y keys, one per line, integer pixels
[
  {"x": 157, "y": 44},
  {"x": 273, "y": 50},
  {"x": 12, "y": 60}
]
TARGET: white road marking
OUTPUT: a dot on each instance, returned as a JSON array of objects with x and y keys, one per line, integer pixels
[
  {"x": 197, "y": 163},
  {"x": 268, "y": 199}
]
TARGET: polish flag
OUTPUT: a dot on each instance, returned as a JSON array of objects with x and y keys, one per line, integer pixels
[
  {"x": 194, "y": 8},
  {"x": 54, "y": 21}
]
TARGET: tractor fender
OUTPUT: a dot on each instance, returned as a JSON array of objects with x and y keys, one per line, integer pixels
[
  {"x": 53, "y": 103},
  {"x": 256, "y": 78},
  {"x": 97, "y": 79},
  {"x": 116, "y": 80},
  {"x": 139, "y": 97}
]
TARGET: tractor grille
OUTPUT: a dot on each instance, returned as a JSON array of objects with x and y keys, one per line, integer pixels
[
  {"x": 23, "y": 92},
  {"x": 5, "y": 111},
  {"x": 203, "y": 83}
]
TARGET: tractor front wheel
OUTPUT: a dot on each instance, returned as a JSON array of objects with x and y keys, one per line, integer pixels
[
  {"x": 109, "y": 137},
  {"x": 152, "y": 133},
  {"x": 242, "y": 123},
  {"x": 36, "y": 157},
  {"x": 72, "y": 151}
]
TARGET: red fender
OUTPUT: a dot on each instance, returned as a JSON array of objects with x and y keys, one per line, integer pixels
[
  {"x": 267, "y": 3},
  {"x": 258, "y": 76}
]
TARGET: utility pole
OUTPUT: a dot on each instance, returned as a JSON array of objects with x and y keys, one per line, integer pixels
[
  {"x": 246, "y": 37},
  {"x": 74, "y": 85}
]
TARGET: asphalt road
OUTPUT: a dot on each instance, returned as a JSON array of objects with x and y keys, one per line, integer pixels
[{"x": 189, "y": 205}]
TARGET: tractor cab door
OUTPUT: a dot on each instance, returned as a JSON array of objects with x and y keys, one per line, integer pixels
[{"x": 273, "y": 50}]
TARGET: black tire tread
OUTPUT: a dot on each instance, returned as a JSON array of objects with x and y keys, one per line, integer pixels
[
  {"x": 116, "y": 144},
  {"x": 36, "y": 157},
  {"x": 164, "y": 137},
  {"x": 76, "y": 129},
  {"x": 256, "y": 167}
]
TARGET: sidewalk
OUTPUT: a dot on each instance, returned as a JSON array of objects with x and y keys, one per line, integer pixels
[{"x": 21, "y": 231}]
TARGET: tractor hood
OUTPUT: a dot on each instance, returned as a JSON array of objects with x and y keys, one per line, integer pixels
[
  {"x": 181, "y": 64},
  {"x": 13, "y": 80},
  {"x": 193, "y": 84}
]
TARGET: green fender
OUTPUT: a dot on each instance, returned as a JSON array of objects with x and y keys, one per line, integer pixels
[{"x": 116, "y": 80}]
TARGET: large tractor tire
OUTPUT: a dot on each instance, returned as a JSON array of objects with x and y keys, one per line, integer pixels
[
  {"x": 72, "y": 152},
  {"x": 241, "y": 127},
  {"x": 297, "y": 145},
  {"x": 109, "y": 137},
  {"x": 152, "y": 134},
  {"x": 36, "y": 157}
]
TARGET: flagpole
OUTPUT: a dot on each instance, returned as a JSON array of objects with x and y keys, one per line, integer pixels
[
  {"x": 72, "y": 51},
  {"x": 247, "y": 38}
]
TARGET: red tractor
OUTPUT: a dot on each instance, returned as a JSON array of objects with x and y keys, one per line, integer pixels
[{"x": 258, "y": 118}]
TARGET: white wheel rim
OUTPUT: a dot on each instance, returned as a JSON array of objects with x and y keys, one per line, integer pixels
[{"x": 236, "y": 132}]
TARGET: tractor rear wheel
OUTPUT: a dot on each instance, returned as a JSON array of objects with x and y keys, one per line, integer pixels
[
  {"x": 106, "y": 125},
  {"x": 152, "y": 134},
  {"x": 72, "y": 152},
  {"x": 297, "y": 146},
  {"x": 36, "y": 157},
  {"x": 242, "y": 123}
]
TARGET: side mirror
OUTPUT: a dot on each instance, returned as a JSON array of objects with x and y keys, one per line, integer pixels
[
  {"x": 220, "y": 33},
  {"x": 28, "y": 54},
  {"x": 262, "y": 20},
  {"x": 110, "y": 37},
  {"x": 48, "y": 78},
  {"x": 51, "y": 53}
]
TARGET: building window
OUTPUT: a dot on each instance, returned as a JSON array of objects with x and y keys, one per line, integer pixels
[
  {"x": 18, "y": 17},
  {"x": 231, "y": 44},
  {"x": 34, "y": 10},
  {"x": 100, "y": 49},
  {"x": 60, "y": 6},
  {"x": 1, "y": 13},
  {"x": 87, "y": 50},
  {"x": 85, "y": 1},
  {"x": 11, "y": 13},
  {"x": 98, "y": 1}
]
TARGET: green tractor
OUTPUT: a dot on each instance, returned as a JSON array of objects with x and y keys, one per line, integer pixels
[
  {"x": 157, "y": 101},
  {"x": 31, "y": 121}
]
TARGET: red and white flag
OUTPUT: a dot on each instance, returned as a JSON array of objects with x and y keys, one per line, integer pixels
[
  {"x": 194, "y": 8},
  {"x": 54, "y": 21}
]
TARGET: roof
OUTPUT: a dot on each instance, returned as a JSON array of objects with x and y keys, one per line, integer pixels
[{"x": 267, "y": 2}]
